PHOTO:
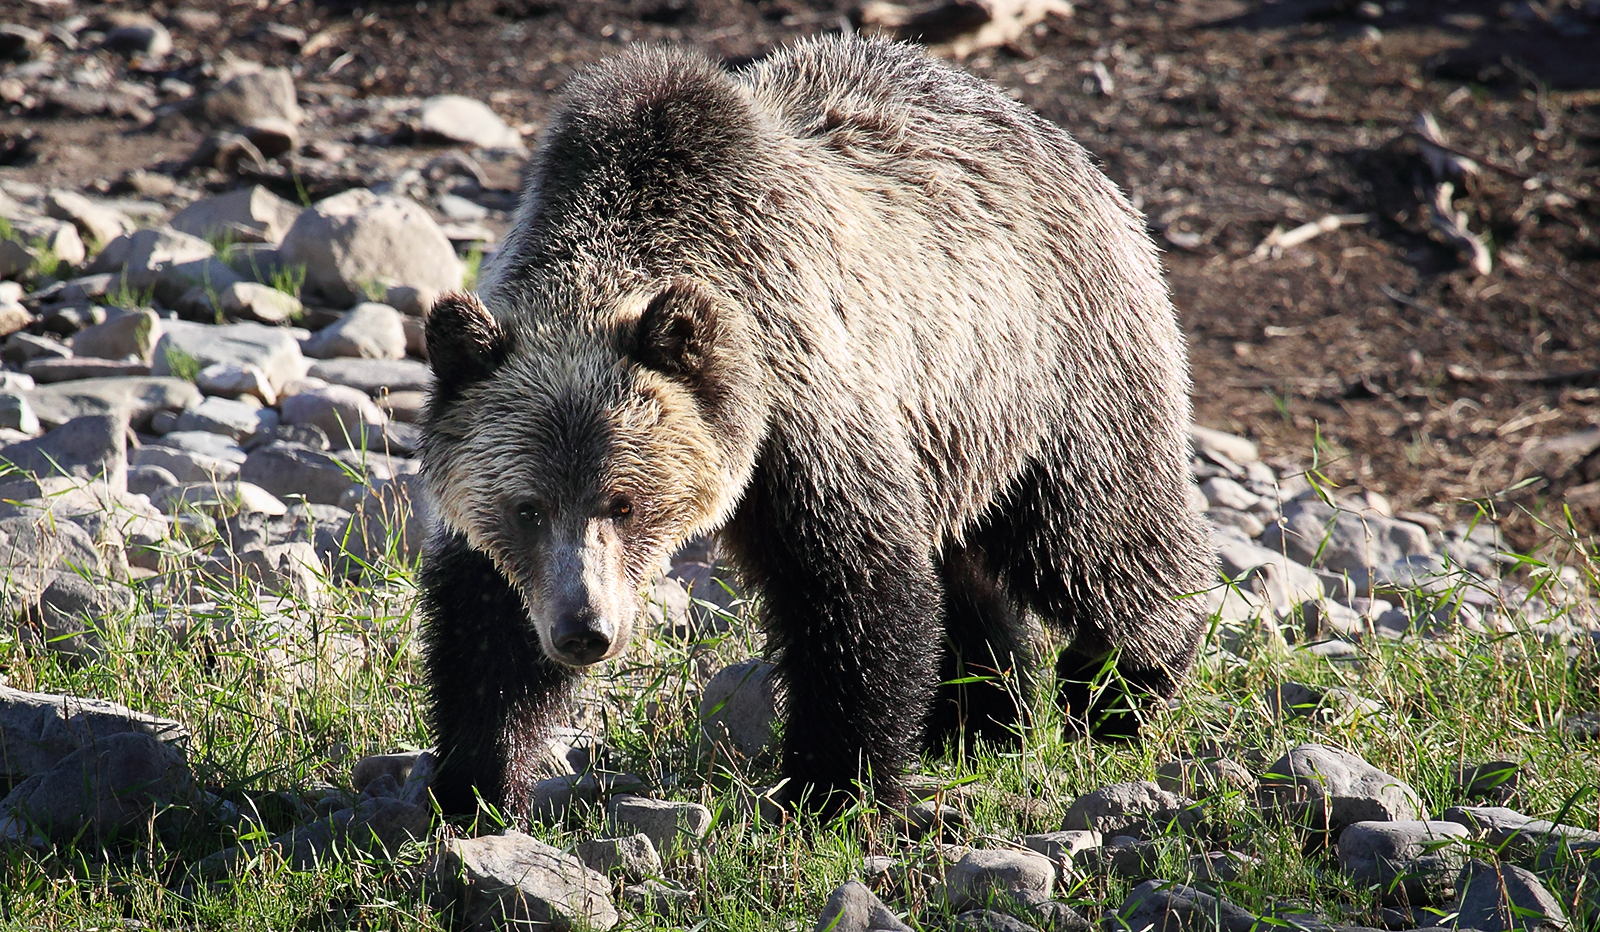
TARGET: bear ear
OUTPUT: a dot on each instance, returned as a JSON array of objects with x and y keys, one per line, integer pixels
[
  {"x": 465, "y": 342},
  {"x": 677, "y": 333}
]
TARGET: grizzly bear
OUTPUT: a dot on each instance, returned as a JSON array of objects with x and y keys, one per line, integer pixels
[{"x": 888, "y": 334}]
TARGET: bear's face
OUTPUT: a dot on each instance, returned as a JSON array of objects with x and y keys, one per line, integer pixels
[{"x": 578, "y": 456}]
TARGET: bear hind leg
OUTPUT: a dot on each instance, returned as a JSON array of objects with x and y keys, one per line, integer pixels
[
  {"x": 1108, "y": 573},
  {"x": 986, "y": 667}
]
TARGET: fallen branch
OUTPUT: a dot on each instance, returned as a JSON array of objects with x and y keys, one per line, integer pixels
[
  {"x": 1280, "y": 240},
  {"x": 1444, "y": 161},
  {"x": 1452, "y": 225}
]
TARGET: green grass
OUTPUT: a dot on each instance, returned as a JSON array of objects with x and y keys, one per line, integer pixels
[
  {"x": 472, "y": 267},
  {"x": 289, "y": 279},
  {"x": 276, "y": 721},
  {"x": 182, "y": 364}
]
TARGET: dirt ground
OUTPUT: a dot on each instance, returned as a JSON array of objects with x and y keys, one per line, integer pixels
[{"x": 1375, "y": 350}]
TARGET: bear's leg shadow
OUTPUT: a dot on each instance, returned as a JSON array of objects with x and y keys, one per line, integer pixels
[
  {"x": 852, "y": 604},
  {"x": 984, "y": 636},
  {"x": 1106, "y": 573},
  {"x": 492, "y": 692}
]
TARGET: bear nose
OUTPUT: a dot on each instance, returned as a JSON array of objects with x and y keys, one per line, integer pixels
[{"x": 581, "y": 638}]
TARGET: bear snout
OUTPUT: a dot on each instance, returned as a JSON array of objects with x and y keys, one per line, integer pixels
[{"x": 582, "y": 637}]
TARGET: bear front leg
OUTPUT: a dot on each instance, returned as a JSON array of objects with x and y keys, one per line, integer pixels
[
  {"x": 852, "y": 612},
  {"x": 491, "y": 691}
]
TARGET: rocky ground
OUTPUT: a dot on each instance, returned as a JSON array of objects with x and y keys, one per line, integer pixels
[{"x": 224, "y": 226}]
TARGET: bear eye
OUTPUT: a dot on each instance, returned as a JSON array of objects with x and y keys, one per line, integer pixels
[
  {"x": 621, "y": 509},
  {"x": 528, "y": 514}
]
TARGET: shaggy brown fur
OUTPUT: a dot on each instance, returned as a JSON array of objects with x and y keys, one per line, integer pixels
[{"x": 890, "y": 333}]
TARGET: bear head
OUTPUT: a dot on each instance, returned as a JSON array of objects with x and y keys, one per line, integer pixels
[{"x": 579, "y": 446}]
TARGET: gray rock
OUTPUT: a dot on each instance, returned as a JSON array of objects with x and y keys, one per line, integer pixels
[
  {"x": 556, "y": 798},
  {"x": 1497, "y": 898},
  {"x": 187, "y": 465},
  {"x": 16, "y": 414},
  {"x": 1248, "y": 524},
  {"x": 230, "y": 380},
  {"x": 375, "y": 376},
  {"x": 272, "y": 136},
  {"x": 669, "y": 824},
  {"x": 1140, "y": 809},
  {"x": 131, "y": 335},
  {"x": 97, "y": 223},
  {"x": 1350, "y": 542},
  {"x": 390, "y": 518},
  {"x": 739, "y": 707},
  {"x": 853, "y": 908},
  {"x": 375, "y": 825},
  {"x": 1049, "y": 915},
  {"x": 983, "y": 874},
  {"x": 1265, "y": 572},
  {"x": 141, "y": 37},
  {"x": 358, "y": 241},
  {"x": 384, "y": 787},
  {"x": 1162, "y": 907},
  {"x": 514, "y": 879},
  {"x": 634, "y": 857},
  {"x": 1411, "y": 863},
  {"x": 144, "y": 480},
  {"x": 456, "y": 207},
  {"x": 931, "y": 819},
  {"x": 1205, "y": 777},
  {"x": 396, "y": 765},
  {"x": 1062, "y": 847},
  {"x": 135, "y": 399},
  {"x": 291, "y": 569},
  {"x": 655, "y": 897},
  {"x": 1221, "y": 866},
  {"x": 254, "y": 95},
  {"x": 40, "y": 730},
  {"x": 1222, "y": 492},
  {"x": 88, "y": 367},
  {"x": 218, "y": 499},
  {"x": 72, "y": 609},
  {"x": 273, "y": 350},
  {"x": 261, "y": 303},
  {"x": 405, "y": 407},
  {"x": 1130, "y": 858},
  {"x": 225, "y": 417},
  {"x": 462, "y": 119},
  {"x": 1324, "y": 789},
  {"x": 112, "y": 787},
  {"x": 37, "y": 241},
  {"x": 1507, "y": 828},
  {"x": 23, "y": 348},
  {"x": 1214, "y": 443},
  {"x": 203, "y": 442},
  {"x": 345, "y": 414},
  {"x": 366, "y": 331},
  {"x": 92, "y": 447},
  {"x": 714, "y": 591},
  {"x": 247, "y": 215},
  {"x": 418, "y": 782},
  {"x": 165, "y": 262},
  {"x": 988, "y": 920},
  {"x": 411, "y": 300},
  {"x": 287, "y": 470},
  {"x": 34, "y": 547},
  {"x": 13, "y": 317}
]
